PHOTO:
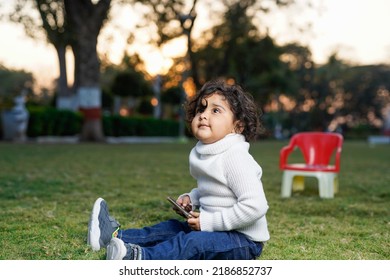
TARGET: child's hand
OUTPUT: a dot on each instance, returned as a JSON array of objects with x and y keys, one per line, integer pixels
[
  {"x": 194, "y": 222},
  {"x": 185, "y": 202}
]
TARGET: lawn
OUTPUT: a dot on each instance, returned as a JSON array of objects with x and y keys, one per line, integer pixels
[{"x": 47, "y": 191}]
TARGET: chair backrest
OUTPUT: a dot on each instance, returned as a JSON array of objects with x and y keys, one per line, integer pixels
[{"x": 318, "y": 147}]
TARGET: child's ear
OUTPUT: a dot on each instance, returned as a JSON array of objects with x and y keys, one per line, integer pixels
[{"x": 238, "y": 127}]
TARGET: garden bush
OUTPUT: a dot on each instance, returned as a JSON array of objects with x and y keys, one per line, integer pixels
[
  {"x": 138, "y": 126},
  {"x": 52, "y": 122}
]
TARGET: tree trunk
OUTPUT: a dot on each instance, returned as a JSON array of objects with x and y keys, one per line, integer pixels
[
  {"x": 65, "y": 99},
  {"x": 86, "y": 20}
]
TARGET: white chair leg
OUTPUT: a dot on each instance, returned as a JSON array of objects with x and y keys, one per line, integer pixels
[
  {"x": 293, "y": 181},
  {"x": 286, "y": 184},
  {"x": 326, "y": 185}
]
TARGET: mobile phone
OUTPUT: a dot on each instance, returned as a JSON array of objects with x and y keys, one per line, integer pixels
[{"x": 180, "y": 208}]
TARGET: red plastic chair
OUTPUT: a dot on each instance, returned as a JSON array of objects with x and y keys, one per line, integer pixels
[{"x": 318, "y": 149}]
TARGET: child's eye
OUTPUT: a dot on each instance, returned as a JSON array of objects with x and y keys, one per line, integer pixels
[
  {"x": 199, "y": 110},
  {"x": 216, "y": 110}
]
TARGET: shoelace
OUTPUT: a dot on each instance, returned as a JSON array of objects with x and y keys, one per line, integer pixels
[{"x": 115, "y": 233}]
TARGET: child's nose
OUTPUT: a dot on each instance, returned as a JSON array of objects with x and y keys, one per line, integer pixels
[{"x": 203, "y": 115}]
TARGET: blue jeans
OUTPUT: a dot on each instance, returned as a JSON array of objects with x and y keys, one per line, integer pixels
[{"x": 174, "y": 240}]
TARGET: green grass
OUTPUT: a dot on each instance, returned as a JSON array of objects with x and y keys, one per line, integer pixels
[{"x": 47, "y": 191}]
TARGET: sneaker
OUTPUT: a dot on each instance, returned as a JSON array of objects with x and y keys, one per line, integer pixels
[
  {"x": 118, "y": 250},
  {"x": 101, "y": 227}
]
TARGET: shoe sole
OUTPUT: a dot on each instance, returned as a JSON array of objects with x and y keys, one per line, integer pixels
[
  {"x": 93, "y": 227},
  {"x": 116, "y": 250}
]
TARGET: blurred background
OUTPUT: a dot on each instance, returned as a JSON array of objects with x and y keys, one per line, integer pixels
[{"x": 96, "y": 69}]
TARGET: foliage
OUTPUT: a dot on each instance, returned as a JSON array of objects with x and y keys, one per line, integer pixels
[
  {"x": 367, "y": 92},
  {"x": 129, "y": 78},
  {"x": 13, "y": 83},
  {"x": 26, "y": 13},
  {"x": 235, "y": 49},
  {"x": 163, "y": 14},
  {"x": 130, "y": 83},
  {"x": 172, "y": 96},
  {"x": 302, "y": 70},
  {"x": 47, "y": 192},
  {"x": 124, "y": 126},
  {"x": 173, "y": 19},
  {"x": 362, "y": 131},
  {"x": 47, "y": 121},
  {"x": 52, "y": 23},
  {"x": 350, "y": 96}
]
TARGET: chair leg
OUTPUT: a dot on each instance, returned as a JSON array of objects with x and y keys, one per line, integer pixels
[
  {"x": 295, "y": 181},
  {"x": 298, "y": 183},
  {"x": 326, "y": 185},
  {"x": 286, "y": 184}
]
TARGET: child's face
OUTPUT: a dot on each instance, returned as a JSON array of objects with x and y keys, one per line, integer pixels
[{"x": 215, "y": 122}]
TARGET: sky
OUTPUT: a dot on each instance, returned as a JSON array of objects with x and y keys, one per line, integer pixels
[{"x": 356, "y": 29}]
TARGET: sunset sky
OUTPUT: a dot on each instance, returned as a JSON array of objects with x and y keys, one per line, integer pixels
[{"x": 357, "y": 29}]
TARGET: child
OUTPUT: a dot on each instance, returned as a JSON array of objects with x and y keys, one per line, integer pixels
[{"x": 231, "y": 222}]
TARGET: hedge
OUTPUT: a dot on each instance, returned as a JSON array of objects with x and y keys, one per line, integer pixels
[
  {"x": 53, "y": 122},
  {"x": 137, "y": 126}
]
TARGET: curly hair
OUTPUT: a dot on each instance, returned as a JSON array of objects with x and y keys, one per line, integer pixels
[{"x": 241, "y": 103}]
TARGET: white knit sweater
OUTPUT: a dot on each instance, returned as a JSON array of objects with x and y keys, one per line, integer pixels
[{"x": 230, "y": 193}]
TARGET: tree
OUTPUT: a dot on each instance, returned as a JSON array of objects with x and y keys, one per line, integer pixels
[
  {"x": 130, "y": 83},
  {"x": 85, "y": 20},
  {"x": 237, "y": 50},
  {"x": 365, "y": 96},
  {"x": 327, "y": 90},
  {"x": 74, "y": 23},
  {"x": 171, "y": 22},
  {"x": 300, "y": 63},
  {"x": 299, "y": 115},
  {"x": 53, "y": 22}
]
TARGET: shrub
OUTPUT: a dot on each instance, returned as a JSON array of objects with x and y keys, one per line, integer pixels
[
  {"x": 123, "y": 126},
  {"x": 52, "y": 122},
  {"x": 49, "y": 121},
  {"x": 362, "y": 131}
]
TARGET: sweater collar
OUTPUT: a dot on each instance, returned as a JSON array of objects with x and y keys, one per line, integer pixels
[{"x": 219, "y": 146}]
